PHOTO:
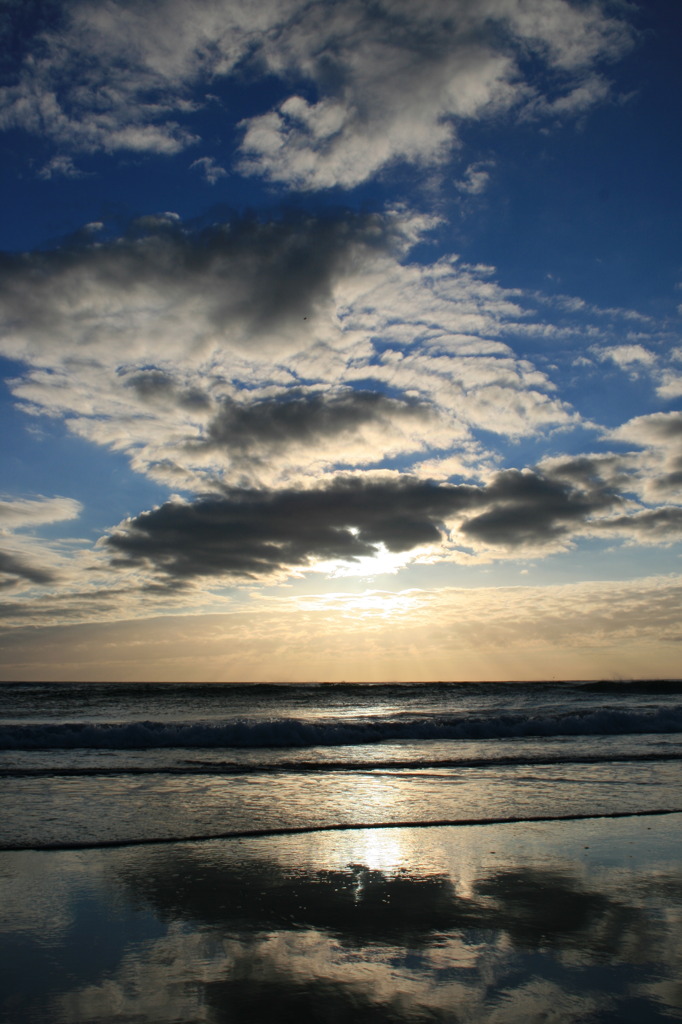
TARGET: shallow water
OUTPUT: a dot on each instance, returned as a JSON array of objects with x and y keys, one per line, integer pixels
[
  {"x": 94, "y": 764},
  {"x": 93, "y": 810},
  {"x": 560, "y": 922},
  {"x": 523, "y": 922}
]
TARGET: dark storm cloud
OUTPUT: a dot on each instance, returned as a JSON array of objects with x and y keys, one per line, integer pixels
[
  {"x": 248, "y": 532},
  {"x": 671, "y": 481},
  {"x": 244, "y": 280},
  {"x": 654, "y": 523},
  {"x": 254, "y": 532},
  {"x": 297, "y": 418},
  {"x": 12, "y": 569},
  {"x": 157, "y": 386},
  {"x": 589, "y": 471},
  {"x": 530, "y": 509}
]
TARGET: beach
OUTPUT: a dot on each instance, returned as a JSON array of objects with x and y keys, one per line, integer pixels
[
  {"x": 284, "y": 854},
  {"x": 341, "y": 512},
  {"x": 560, "y": 922}
]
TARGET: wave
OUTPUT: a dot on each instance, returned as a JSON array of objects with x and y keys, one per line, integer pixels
[
  {"x": 301, "y": 733},
  {"x": 339, "y": 826},
  {"x": 377, "y": 767}
]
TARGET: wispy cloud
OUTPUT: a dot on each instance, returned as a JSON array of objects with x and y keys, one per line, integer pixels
[
  {"x": 211, "y": 170},
  {"x": 24, "y": 557},
  {"x": 253, "y": 350},
  {"x": 491, "y": 632},
  {"x": 375, "y": 83}
]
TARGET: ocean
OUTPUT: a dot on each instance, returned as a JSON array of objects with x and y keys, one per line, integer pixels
[
  {"x": 82, "y": 761},
  {"x": 379, "y": 852}
]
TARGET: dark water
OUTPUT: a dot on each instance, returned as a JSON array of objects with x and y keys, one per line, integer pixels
[
  {"x": 522, "y": 922},
  {"x": 566, "y": 923},
  {"x": 93, "y": 764}
]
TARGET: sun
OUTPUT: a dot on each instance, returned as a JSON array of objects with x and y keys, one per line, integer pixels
[{"x": 382, "y": 563}]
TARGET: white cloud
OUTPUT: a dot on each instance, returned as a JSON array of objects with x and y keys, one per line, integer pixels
[
  {"x": 60, "y": 166},
  {"x": 257, "y": 321},
  {"x": 670, "y": 386},
  {"x": 627, "y": 355},
  {"x": 636, "y": 359},
  {"x": 24, "y": 513},
  {"x": 266, "y": 316},
  {"x": 593, "y": 90},
  {"x": 476, "y": 179},
  {"x": 212, "y": 171},
  {"x": 26, "y": 560},
  {"x": 394, "y": 80},
  {"x": 387, "y": 81}
]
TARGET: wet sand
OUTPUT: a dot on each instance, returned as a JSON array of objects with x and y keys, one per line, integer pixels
[{"x": 527, "y": 922}]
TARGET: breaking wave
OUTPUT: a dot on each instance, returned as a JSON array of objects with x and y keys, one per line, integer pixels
[{"x": 294, "y": 732}]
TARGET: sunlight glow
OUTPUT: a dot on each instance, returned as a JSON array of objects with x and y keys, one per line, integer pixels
[
  {"x": 370, "y": 603},
  {"x": 368, "y": 566},
  {"x": 382, "y": 850}
]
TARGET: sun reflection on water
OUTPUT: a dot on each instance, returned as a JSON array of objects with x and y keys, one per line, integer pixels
[{"x": 382, "y": 850}]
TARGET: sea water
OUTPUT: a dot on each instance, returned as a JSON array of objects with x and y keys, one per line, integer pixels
[
  {"x": 94, "y": 764},
  {"x": 337, "y": 892}
]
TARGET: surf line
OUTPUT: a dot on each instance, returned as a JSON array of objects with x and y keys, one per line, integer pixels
[
  {"x": 297, "y": 830},
  {"x": 210, "y": 768}
]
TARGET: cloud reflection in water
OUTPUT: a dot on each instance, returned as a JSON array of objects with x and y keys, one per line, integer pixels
[{"x": 276, "y": 930}]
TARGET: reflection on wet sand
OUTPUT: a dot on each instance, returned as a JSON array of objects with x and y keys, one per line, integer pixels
[
  {"x": 534, "y": 908},
  {"x": 260, "y": 931}
]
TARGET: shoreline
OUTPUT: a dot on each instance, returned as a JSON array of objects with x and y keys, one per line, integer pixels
[
  {"x": 298, "y": 830},
  {"x": 577, "y": 919}
]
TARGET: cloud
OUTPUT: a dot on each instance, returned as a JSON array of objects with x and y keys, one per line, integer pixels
[
  {"x": 212, "y": 171},
  {"x": 660, "y": 464},
  {"x": 526, "y": 509},
  {"x": 670, "y": 386},
  {"x": 476, "y": 179},
  {"x": 659, "y": 428},
  {"x": 24, "y": 558},
  {"x": 258, "y": 354},
  {"x": 274, "y": 423},
  {"x": 231, "y": 285},
  {"x": 626, "y": 355},
  {"x": 649, "y": 476},
  {"x": 655, "y": 525},
  {"x": 161, "y": 387},
  {"x": 177, "y": 346},
  {"x": 636, "y": 359},
  {"x": 13, "y": 569},
  {"x": 314, "y": 431},
  {"x": 251, "y": 533},
  {"x": 392, "y": 81},
  {"x": 369, "y": 84},
  {"x": 23, "y": 513},
  {"x": 298, "y": 347},
  {"x": 62, "y": 166}
]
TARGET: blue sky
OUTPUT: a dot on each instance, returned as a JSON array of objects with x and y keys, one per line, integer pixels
[{"x": 340, "y": 339}]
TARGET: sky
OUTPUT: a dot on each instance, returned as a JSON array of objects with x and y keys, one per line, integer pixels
[{"x": 340, "y": 339}]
